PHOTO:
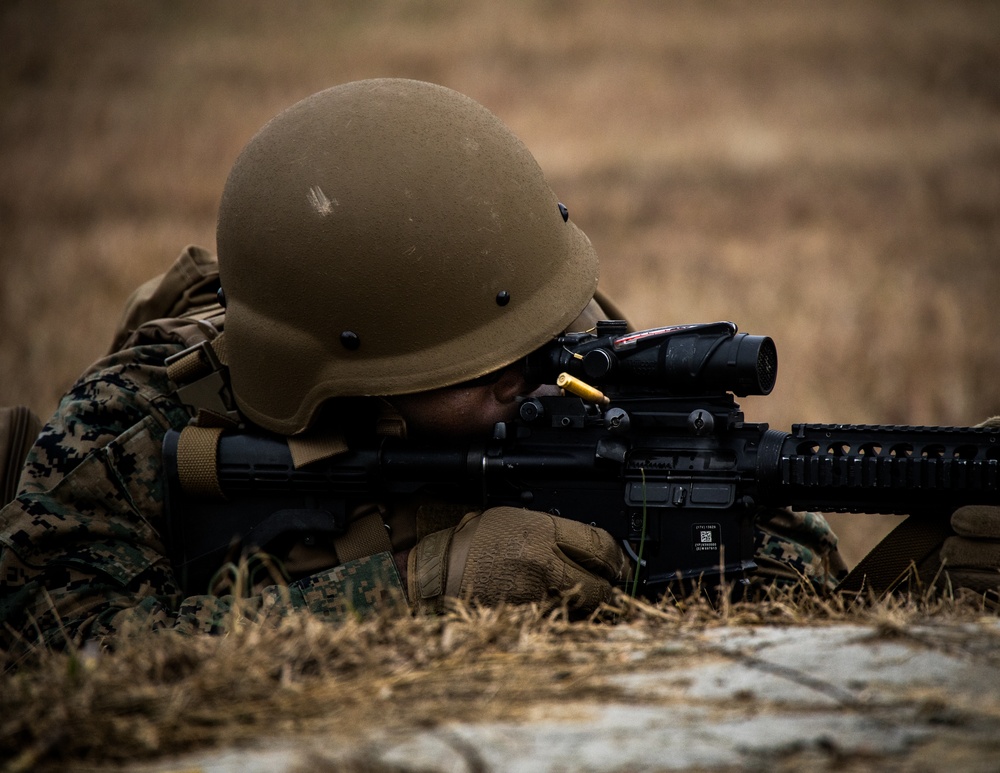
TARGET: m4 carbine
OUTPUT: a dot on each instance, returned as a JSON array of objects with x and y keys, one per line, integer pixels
[{"x": 646, "y": 442}]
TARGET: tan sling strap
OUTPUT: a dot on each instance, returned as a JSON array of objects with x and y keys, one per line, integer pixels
[
  {"x": 19, "y": 427},
  {"x": 365, "y": 536},
  {"x": 888, "y": 565},
  {"x": 197, "y": 467}
]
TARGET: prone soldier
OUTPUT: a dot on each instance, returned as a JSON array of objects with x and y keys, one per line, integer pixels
[{"x": 388, "y": 253}]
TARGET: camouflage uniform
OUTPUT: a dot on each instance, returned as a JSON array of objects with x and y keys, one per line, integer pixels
[
  {"x": 81, "y": 548},
  {"x": 793, "y": 546},
  {"x": 81, "y": 553}
]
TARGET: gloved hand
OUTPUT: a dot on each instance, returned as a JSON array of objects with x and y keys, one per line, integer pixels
[
  {"x": 972, "y": 559},
  {"x": 515, "y": 556}
]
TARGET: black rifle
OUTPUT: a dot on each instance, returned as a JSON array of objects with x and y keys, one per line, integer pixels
[{"x": 647, "y": 442}]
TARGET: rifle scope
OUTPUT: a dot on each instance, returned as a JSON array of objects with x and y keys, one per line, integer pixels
[{"x": 682, "y": 360}]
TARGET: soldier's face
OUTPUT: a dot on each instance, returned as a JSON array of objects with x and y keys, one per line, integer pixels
[{"x": 463, "y": 411}]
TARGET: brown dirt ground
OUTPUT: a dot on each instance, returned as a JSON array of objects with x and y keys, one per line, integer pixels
[{"x": 826, "y": 173}]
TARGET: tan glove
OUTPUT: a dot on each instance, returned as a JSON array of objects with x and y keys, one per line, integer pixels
[
  {"x": 972, "y": 558},
  {"x": 515, "y": 556}
]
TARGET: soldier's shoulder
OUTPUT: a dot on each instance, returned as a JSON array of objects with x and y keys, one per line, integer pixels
[{"x": 124, "y": 385}]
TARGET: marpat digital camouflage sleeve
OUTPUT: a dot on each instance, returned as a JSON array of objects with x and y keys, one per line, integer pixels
[{"x": 81, "y": 549}]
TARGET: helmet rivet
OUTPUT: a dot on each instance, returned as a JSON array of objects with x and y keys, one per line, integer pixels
[
  {"x": 503, "y": 298},
  {"x": 564, "y": 212},
  {"x": 350, "y": 340}
]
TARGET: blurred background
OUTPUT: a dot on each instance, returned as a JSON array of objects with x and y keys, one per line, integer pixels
[{"x": 826, "y": 173}]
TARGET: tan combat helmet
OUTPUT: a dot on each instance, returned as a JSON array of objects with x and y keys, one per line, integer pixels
[{"x": 387, "y": 237}]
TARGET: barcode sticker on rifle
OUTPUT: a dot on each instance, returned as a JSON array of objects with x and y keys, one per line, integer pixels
[{"x": 706, "y": 536}]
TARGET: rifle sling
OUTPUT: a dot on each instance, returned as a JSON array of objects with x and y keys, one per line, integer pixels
[
  {"x": 889, "y": 563},
  {"x": 197, "y": 467}
]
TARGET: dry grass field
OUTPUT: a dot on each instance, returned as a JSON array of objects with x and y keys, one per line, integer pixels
[{"x": 827, "y": 173}]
